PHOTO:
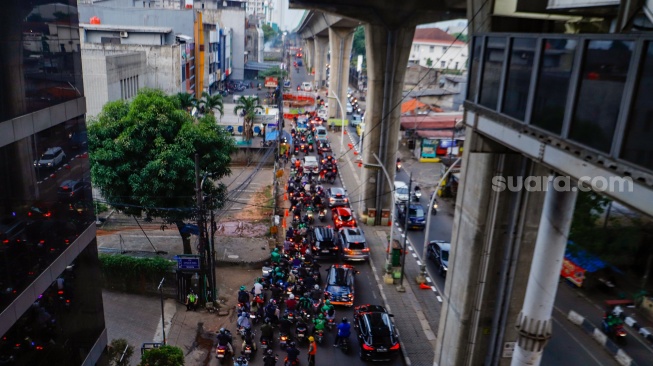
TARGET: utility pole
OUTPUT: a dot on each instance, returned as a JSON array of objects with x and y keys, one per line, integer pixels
[
  {"x": 200, "y": 228},
  {"x": 163, "y": 321},
  {"x": 401, "y": 287}
]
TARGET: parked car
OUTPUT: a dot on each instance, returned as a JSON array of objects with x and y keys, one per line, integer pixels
[
  {"x": 376, "y": 333},
  {"x": 337, "y": 196},
  {"x": 438, "y": 252},
  {"x": 73, "y": 190},
  {"x": 324, "y": 242},
  {"x": 339, "y": 288},
  {"x": 51, "y": 158},
  {"x": 414, "y": 213},
  {"x": 352, "y": 242},
  {"x": 342, "y": 217}
]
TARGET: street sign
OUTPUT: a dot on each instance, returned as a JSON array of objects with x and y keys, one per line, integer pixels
[
  {"x": 508, "y": 349},
  {"x": 188, "y": 262}
]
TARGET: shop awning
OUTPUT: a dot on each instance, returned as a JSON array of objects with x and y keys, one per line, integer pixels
[
  {"x": 435, "y": 134},
  {"x": 436, "y": 121}
]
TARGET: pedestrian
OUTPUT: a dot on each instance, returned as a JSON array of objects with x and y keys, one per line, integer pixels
[
  {"x": 191, "y": 301},
  {"x": 312, "y": 350}
]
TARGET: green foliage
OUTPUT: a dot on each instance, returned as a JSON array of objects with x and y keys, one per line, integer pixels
[
  {"x": 273, "y": 72},
  {"x": 461, "y": 37},
  {"x": 163, "y": 356},
  {"x": 185, "y": 101},
  {"x": 115, "y": 350},
  {"x": 100, "y": 207},
  {"x": 142, "y": 157},
  {"x": 268, "y": 32},
  {"x": 124, "y": 265},
  {"x": 247, "y": 107},
  {"x": 211, "y": 102},
  {"x": 429, "y": 62},
  {"x": 358, "y": 47}
]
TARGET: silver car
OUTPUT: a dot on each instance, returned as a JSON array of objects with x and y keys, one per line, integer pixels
[
  {"x": 352, "y": 242},
  {"x": 337, "y": 197}
]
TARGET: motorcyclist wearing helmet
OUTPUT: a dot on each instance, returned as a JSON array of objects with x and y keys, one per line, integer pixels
[
  {"x": 285, "y": 325},
  {"x": 291, "y": 303},
  {"x": 275, "y": 256},
  {"x": 269, "y": 359},
  {"x": 248, "y": 338},
  {"x": 319, "y": 323},
  {"x": 305, "y": 302},
  {"x": 267, "y": 332},
  {"x": 275, "y": 291},
  {"x": 329, "y": 310},
  {"x": 243, "y": 321},
  {"x": 224, "y": 339},
  {"x": 344, "y": 330},
  {"x": 243, "y": 297},
  {"x": 316, "y": 293},
  {"x": 271, "y": 311},
  {"x": 293, "y": 353}
]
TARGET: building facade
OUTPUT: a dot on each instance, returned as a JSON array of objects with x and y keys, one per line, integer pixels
[
  {"x": 49, "y": 265},
  {"x": 434, "y": 48}
]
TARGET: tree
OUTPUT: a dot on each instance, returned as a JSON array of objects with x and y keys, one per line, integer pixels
[
  {"x": 142, "y": 157},
  {"x": 268, "y": 32},
  {"x": 115, "y": 352},
  {"x": 358, "y": 47},
  {"x": 186, "y": 101},
  {"x": 211, "y": 102},
  {"x": 273, "y": 71},
  {"x": 163, "y": 356},
  {"x": 429, "y": 62},
  {"x": 247, "y": 107}
]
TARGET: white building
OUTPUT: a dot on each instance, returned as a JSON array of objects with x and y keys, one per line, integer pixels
[{"x": 442, "y": 49}]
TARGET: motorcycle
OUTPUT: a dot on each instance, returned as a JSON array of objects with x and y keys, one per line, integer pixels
[
  {"x": 322, "y": 214},
  {"x": 241, "y": 361},
  {"x": 301, "y": 333},
  {"x": 286, "y": 362},
  {"x": 248, "y": 351},
  {"x": 266, "y": 343},
  {"x": 311, "y": 219},
  {"x": 398, "y": 165},
  {"x": 615, "y": 331},
  {"x": 283, "y": 340},
  {"x": 221, "y": 353},
  {"x": 316, "y": 305},
  {"x": 319, "y": 336},
  {"x": 254, "y": 316},
  {"x": 417, "y": 194},
  {"x": 344, "y": 345}
]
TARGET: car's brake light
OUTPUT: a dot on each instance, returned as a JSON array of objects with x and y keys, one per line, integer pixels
[
  {"x": 395, "y": 347},
  {"x": 367, "y": 348},
  {"x": 366, "y": 249}
]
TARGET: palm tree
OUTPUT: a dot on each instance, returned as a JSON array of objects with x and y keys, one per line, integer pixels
[
  {"x": 212, "y": 101},
  {"x": 247, "y": 107},
  {"x": 186, "y": 101}
]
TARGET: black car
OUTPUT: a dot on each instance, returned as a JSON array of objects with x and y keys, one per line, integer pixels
[
  {"x": 377, "y": 337},
  {"x": 438, "y": 252},
  {"x": 12, "y": 231},
  {"x": 324, "y": 243},
  {"x": 339, "y": 287},
  {"x": 74, "y": 190}
]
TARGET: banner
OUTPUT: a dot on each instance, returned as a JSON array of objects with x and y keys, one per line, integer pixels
[
  {"x": 271, "y": 82},
  {"x": 572, "y": 272}
]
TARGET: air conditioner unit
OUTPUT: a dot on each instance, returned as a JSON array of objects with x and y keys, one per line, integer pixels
[{"x": 124, "y": 35}]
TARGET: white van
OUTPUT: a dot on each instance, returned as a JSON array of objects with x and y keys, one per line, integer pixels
[{"x": 307, "y": 86}]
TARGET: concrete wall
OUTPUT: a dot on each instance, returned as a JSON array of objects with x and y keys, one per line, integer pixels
[
  {"x": 158, "y": 67},
  {"x": 234, "y": 19},
  {"x": 454, "y": 58},
  {"x": 421, "y": 76},
  {"x": 251, "y": 155},
  {"x": 150, "y": 39}
]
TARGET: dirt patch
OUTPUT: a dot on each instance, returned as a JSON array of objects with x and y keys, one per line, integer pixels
[{"x": 258, "y": 207}]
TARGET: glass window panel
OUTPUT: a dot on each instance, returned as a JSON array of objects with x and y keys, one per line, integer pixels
[
  {"x": 474, "y": 67},
  {"x": 553, "y": 84},
  {"x": 604, "y": 71},
  {"x": 637, "y": 147},
  {"x": 519, "y": 77},
  {"x": 491, "y": 78}
]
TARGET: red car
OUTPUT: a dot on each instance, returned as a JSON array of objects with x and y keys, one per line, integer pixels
[{"x": 342, "y": 217}]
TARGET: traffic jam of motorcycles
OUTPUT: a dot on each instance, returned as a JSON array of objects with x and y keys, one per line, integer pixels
[{"x": 296, "y": 300}]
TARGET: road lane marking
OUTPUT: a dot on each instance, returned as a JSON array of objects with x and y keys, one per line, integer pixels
[
  {"x": 428, "y": 279},
  {"x": 418, "y": 262},
  {"x": 434, "y": 290},
  {"x": 577, "y": 341},
  {"x": 439, "y": 298},
  {"x": 414, "y": 255}
]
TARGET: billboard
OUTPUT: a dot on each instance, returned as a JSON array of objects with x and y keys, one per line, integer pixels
[
  {"x": 572, "y": 272},
  {"x": 271, "y": 82}
]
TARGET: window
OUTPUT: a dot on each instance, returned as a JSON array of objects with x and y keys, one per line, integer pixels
[
  {"x": 456, "y": 66},
  {"x": 519, "y": 77},
  {"x": 603, "y": 76},
  {"x": 477, "y": 45},
  {"x": 443, "y": 64},
  {"x": 444, "y": 49},
  {"x": 637, "y": 147},
  {"x": 491, "y": 77},
  {"x": 431, "y": 48}
]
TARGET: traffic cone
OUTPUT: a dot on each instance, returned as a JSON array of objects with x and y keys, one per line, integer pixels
[
  {"x": 350, "y": 145},
  {"x": 424, "y": 286},
  {"x": 345, "y": 131},
  {"x": 285, "y": 196},
  {"x": 285, "y": 213},
  {"x": 360, "y": 165},
  {"x": 355, "y": 152}
]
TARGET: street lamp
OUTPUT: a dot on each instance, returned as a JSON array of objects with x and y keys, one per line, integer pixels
[
  {"x": 392, "y": 213},
  {"x": 421, "y": 277},
  {"x": 342, "y": 127}
]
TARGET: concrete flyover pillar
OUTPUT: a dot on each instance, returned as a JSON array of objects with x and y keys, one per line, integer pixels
[
  {"x": 308, "y": 53},
  {"x": 340, "y": 43},
  {"x": 321, "y": 44},
  {"x": 387, "y": 56},
  {"x": 492, "y": 246},
  {"x": 534, "y": 323}
]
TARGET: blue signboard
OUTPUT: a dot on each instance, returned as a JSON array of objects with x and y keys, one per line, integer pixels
[{"x": 188, "y": 262}]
